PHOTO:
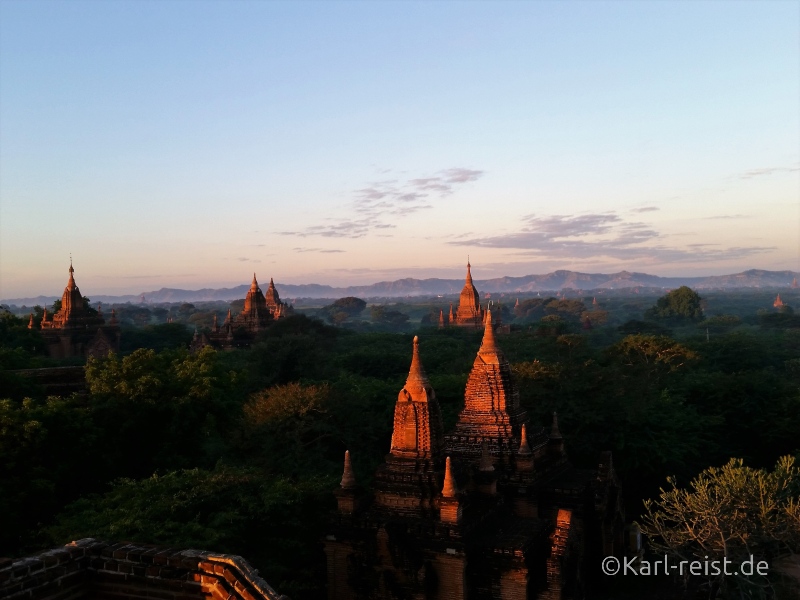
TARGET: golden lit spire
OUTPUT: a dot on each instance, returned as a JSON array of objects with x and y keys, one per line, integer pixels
[
  {"x": 489, "y": 352},
  {"x": 71, "y": 282},
  {"x": 254, "y": 285},
  {"x": 348, "y": 477},
  {"x": 417, "y": 382},
  {"x": 469, "y": 272},
  {"x": 30, "y": 322},
  {"x": 524, "y": 448},
  {"x": 449, "y": 489}
]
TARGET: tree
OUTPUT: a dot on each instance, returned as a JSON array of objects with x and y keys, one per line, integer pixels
[
  {"x": 273, "y": 521},
  {"x": 682, "y": 304},
  {"x": 350, "y": 305},
  {"x": 343, "y": 309},
  {"x": 730, "y": 512}
]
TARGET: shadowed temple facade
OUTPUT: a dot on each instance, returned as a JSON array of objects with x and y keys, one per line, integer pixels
[
  {"x": 493, "y": 510},
  {"x": 77, "y": 329},
  {"x": 259, "y": 312}
]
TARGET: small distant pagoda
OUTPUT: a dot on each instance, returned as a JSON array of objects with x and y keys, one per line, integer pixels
[
  {"x": 778, "y": 302},
  {"x": 469, "y": 313},
  {"x": 259, "y": 312},
  {"x": 76, "y": 329}
]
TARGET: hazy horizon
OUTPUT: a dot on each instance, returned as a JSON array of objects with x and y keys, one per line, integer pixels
[{"x": 346, "y": 143}]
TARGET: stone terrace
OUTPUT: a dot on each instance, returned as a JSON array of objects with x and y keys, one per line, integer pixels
[{"x": 94, "y": 570}]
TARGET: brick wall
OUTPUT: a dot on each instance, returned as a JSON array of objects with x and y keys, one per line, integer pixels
[{"x": 90, "y": 569}]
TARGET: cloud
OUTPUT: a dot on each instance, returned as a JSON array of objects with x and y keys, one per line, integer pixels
[
  {"x": 245, "y": 259},
  {"x": 603, "y": 234},
  {"x": 765, "y": 171},
  {"x": 645, "y": 209},
  {"x": 322, "y": 250},
  {"x": 726, "y": 217},
  {"x": 390, "y": 198}
]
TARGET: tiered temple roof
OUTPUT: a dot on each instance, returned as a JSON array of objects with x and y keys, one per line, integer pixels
[
  {"x": 258, "y": 313},
  {"x": 492, "y": 409},
  {"x": 75, "y": 329},
  {"x": 469, "y": 313}
]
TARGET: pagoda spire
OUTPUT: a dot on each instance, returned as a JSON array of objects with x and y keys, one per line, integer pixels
[
  {"x": 469, "y": 271},
  {"x": 449, "y": 488},
  {"x": 418, "y": 430},
  {"x": 71, "y": 282},
  {"x": 348, "y": 477},
  {"x": 417, "y": 383},
  {"x": 254, "y": 285},
  {"x": 30, "y": 322},
  {"x": 524, "y": 448}
]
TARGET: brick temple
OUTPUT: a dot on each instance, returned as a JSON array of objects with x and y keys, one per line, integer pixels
[
  {"x": 259, "y": 312},
  {"x": 494, "y": 510},
  {"x": 469, "y": 312},
  {"x": 76, "y": 329}
]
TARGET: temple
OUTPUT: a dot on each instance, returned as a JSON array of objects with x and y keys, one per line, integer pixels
[
  {"x": 469, "y": 313},
  {"x": 259, "y": 312},
  {"x": 492, "y": 511},
  {"x": 778, "y": 302},
  {"x": 76, "y": 329}
]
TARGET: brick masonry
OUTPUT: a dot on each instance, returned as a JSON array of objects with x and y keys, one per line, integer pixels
[{"x": 97, "y": 570}]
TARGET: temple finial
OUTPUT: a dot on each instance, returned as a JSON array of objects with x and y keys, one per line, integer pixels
[
  {"x": 524, "y": 448},
  {"x": 488, "y": 344},
  {"x": 449, "y": 488},
  {"x": 348, "y": 477},
  {"x": 416, "y": 374}
]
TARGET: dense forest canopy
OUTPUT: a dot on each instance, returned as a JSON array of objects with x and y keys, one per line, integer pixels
[{"x": 239, "y": 451}]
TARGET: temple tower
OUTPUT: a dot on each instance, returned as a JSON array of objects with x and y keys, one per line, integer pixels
[
  {"x": 410, "y": 479},
  {"x": 469, "y": 313},
  {"x": 77, "y": 330},
  {"x": 491, "y": 405}
]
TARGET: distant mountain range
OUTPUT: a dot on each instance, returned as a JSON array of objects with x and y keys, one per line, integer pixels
[{"x": 557, "y": 280}]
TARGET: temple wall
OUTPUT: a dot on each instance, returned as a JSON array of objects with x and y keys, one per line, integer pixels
[{"x": 93, "y": 570}]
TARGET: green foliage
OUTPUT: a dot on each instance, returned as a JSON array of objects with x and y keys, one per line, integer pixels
[
  {"x": 172, "y": 407},
  {"x": 281, "y": 414},
  {"x": 384, "y": 316},
  {"x": 683, "y": 304},
  {"x": 290, "y": 420},
  {"x": 730, "y": 512},
  {"x": 351, "y": 305},
  {"x": 155, "y": 337},
  {"x": 36, "y": 473},
  {"x": 273, "y": 521},
  {"x": 719, "y": 323}
]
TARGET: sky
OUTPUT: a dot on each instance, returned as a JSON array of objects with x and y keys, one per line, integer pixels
[{"x": 187, "y": 144}]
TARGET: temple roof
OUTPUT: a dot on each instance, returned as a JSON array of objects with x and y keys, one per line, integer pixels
[
  {"x": 418, "y": 430},
  {"x": 469, "y": 298}
]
